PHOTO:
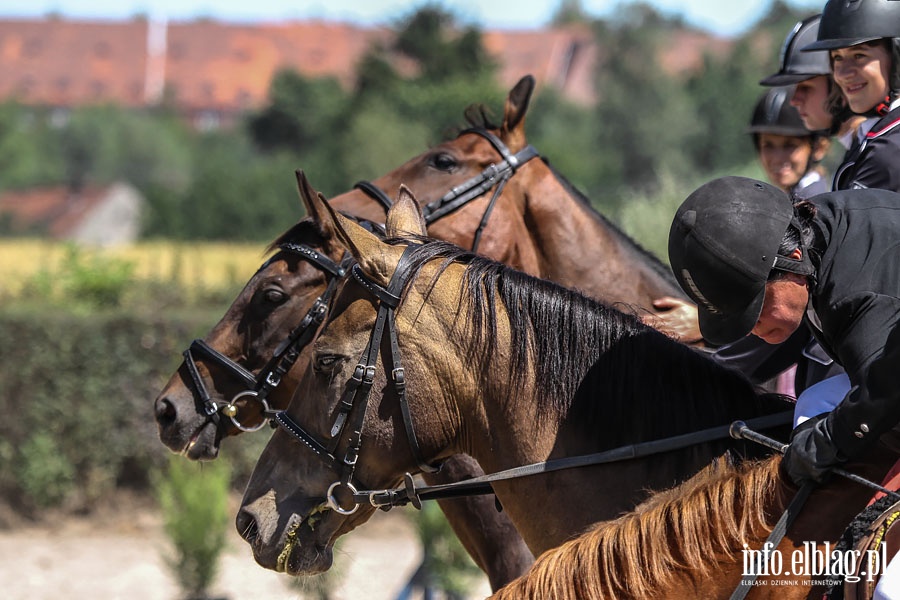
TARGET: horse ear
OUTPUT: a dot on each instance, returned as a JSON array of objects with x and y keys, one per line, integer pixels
[
  {"x": 315, "y": 206},
  {"x": 405, "y": 216},
  {"x": 375, "y": 257},
  {"x": 514, "y": 113}
]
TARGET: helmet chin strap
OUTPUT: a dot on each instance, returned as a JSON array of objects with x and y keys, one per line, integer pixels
[{"x": 883, "y": 107}]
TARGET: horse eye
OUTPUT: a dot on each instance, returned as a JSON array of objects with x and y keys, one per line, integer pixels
[
  {"x": 274, "y": 296},
  {"x": 443, "y": 162},
  {"x": 326, "y": 362}
]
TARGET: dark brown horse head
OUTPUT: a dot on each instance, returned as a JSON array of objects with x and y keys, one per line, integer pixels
[
  {"x": 243, "y": 342},
  {"x": 236, "y": 364}
]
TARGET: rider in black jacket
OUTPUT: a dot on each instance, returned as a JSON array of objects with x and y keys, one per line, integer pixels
[
  {"x": 863, "y": 41},
  {"x": 755, "y": 264}
]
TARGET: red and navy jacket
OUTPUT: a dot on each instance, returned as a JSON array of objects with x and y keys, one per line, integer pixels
[{"x": 874, "y": 162}]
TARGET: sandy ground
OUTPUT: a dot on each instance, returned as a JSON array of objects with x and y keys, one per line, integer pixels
[{"x": 119, "y": 557}]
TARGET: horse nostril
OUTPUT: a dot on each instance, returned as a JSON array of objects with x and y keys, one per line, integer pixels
[
  {"x": 165, "y": 412},
  {"x": 246, "y": 526}
]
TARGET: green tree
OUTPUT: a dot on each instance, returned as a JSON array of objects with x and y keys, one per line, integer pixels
[
  {"x": 29, "y": 154},
  {"x": 643, "y": 115},
  {"x": 569, "y": 12},
  {"x": 430, "y": 36}
]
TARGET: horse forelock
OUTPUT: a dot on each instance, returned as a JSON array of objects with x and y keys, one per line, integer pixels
[
  {"x": 304, "y": 231},
  {"x": 479, "y": 115},
  {"x": 690, "y": 528}
]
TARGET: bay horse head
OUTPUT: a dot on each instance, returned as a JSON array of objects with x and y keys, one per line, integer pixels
[
  {"x": 474, "y": 190},
  {"x": 429, "y": 351},
  {"x": 245, "y": 368}
]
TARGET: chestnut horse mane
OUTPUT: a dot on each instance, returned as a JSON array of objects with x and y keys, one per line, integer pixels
[
  {"x": 618, "y": 378},
  {"x": 706, "y": 519}
]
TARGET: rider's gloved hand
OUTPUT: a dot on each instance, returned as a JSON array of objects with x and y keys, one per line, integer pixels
[{"x": 812, "y": 452}]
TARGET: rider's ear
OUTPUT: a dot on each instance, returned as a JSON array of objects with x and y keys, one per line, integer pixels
[{"x": 405, "y": 216}]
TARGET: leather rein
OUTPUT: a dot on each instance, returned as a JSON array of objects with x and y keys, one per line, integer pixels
[{"x": 258, "y": 387}]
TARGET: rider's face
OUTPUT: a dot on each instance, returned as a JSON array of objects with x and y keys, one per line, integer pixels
[{"x": 783, "y": 308}]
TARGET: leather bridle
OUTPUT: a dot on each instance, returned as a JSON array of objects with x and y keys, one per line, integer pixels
[
  {"x": 355, "y": 396},
  {"x": 495, "y": 175},
  {"x": 258, "y": 387},
  {"x": 286, "y": 354}
]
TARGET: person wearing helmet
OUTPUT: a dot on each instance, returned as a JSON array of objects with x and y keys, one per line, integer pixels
[
  {"x": 862, "y": 38},
  {"x": 788, "y": 151},
  {"x": 789, "y": 154},
  {"x": 815, "y": 96},
  {"x": 756, "y": 263}
]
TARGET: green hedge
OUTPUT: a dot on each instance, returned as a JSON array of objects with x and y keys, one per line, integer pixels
[{"x": 76, "y": 395}]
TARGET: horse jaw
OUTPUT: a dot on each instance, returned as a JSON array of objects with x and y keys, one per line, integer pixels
[{"x": 305, "y": 544}]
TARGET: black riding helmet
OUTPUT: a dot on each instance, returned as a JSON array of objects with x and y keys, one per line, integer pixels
[
  {"x": 723, "y": 245},
  {"x": 797, "y": 66},
  {"x": 847, "y": 23},
  {"x": 774, "y": 114}
]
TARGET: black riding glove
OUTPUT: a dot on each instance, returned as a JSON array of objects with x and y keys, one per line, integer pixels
[{"x": 812, "y": 452}]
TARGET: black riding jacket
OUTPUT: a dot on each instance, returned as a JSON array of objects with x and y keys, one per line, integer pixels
[
  {"x": 874, "y": 161},
  {"x": 855, "y": 304}
]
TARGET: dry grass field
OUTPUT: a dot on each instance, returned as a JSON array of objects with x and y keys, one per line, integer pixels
[{"x": 194, "y": 265}]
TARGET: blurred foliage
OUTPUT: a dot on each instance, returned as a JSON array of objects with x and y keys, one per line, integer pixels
[
  {"x": 648, "y": 128},
  {"x": 445, "y": 564},
  {"x": 194, "y": 502},
  {"x": 86, "y": 348}
]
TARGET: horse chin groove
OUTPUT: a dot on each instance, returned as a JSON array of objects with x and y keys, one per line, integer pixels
[{"x": 305, "y": 560}]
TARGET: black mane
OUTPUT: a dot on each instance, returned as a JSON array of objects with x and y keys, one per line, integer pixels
[{"x": 592, "y": 363}]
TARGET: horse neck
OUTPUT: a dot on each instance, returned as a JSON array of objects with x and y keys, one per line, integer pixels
[{"x": 582, "y": 250}]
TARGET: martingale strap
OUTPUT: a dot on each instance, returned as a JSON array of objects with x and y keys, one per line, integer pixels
[{"x": 409, "y": 493}]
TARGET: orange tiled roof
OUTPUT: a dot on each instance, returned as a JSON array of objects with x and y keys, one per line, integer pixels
[
  {"x": 59, "y": 62},
  {"x": 54, "y": 210},
  {"x": 211, "y": 65}
]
